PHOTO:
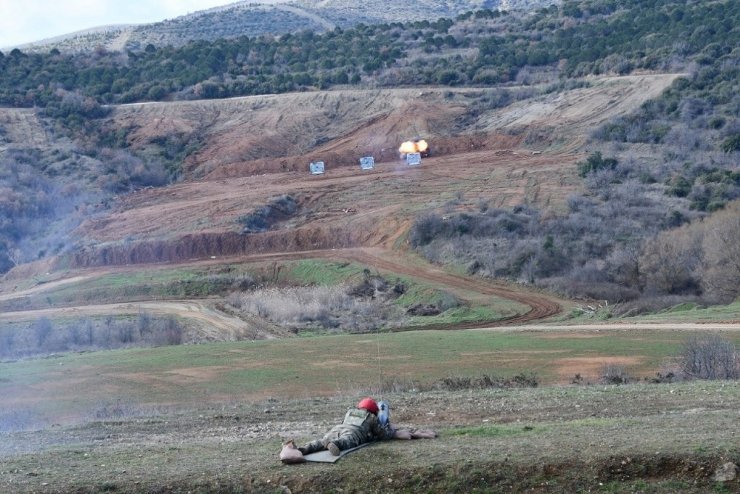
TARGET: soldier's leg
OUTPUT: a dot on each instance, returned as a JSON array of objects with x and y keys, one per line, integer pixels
[
  {"x": 312, "y": 447},
  {"x": 348, "y": 440},
  {"x": 319, "y": 444}
]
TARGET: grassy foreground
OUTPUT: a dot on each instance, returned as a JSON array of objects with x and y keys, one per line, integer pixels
[{"x": 663, "y": 438}]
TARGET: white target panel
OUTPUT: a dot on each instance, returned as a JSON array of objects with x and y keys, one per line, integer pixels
[
  {"x": 413, "y": 159},
  {"x": 316, "y": 167},
  {"x": 367, "y": 163}
]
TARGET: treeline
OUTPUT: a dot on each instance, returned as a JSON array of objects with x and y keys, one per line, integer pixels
[
  {"x": 577, "y": 38},
  {"x": 44, "y": 336}
]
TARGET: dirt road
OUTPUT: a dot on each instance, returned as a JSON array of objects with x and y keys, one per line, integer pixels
[
  {"x": 218, "y": 325},
  {"x": 223, "y": 326}
]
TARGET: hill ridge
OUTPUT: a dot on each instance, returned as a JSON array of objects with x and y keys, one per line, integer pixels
[{"x": 246, "y": 18}]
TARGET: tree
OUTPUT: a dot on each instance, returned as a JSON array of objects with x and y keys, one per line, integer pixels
[
  {"x": 721, "y": 263},
  {"x": 595, "y": 162},
  {"x": 448, "y": 77},
  {"x": 156, "y": 92},
  {"x": 711, "y": 357},
  {"x": 670, "y": 262}
]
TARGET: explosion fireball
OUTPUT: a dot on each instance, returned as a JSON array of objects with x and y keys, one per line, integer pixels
[{"x": 419, "y": 146}]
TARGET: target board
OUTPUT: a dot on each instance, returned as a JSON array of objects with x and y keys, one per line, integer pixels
[
  {"x": 367, "y": 163},
  {"x": 316, "y": 167},
  {"x": 413, "y": 159}
]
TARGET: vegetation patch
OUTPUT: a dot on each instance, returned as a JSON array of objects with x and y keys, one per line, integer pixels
[
  {"x": 267, "y": 216},
  {"x": 146, "y": 285},
  {"x": 45, "y": 336},
  {"x": 490, "y": 431},
  {"x": 337, "y": 308}
]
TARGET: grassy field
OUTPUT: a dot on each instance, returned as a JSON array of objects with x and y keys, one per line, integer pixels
[
  {"x": 686, "y": 313},
  {"x": 65, "y": 387}
]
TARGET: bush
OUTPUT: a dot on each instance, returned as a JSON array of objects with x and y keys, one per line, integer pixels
[
  {"x": 42, "y": 337},
  {"x": 710, "y": 357},
  {"x": 595, "y": 162},
  {"x": 731, "y": 144},
  {"x": 425, "y": 229},
  {"x": 614, "y": 374},
  {"x": 453, "y": 383},
  {"x": 322, "y": 307},
  {"x": 263, "y": 218}
]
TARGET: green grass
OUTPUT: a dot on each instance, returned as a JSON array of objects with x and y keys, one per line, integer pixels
[
  {"x": 490, "y": 431},
  {"x": 156, "y": 283},
  {"x": 463, "y": 314},
  {"x": 221, "y": 279},
  {"x": 688, "y": 313},
  {"x": 317, "y": 272},
  {"x": 685, "y": 313},
  {"x": 303, "y": 367}
]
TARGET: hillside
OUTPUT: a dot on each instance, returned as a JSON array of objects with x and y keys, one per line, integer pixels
[
  {"x": 250, "y": 141},
  {"x": 554, "y": 288},
  {"x": 662, "y": 153},
  {"x": 254, "y": 19}
]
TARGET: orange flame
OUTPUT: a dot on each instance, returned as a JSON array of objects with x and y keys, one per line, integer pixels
[
  {"x": 407, "y": 147},
  {"x": 419, "y": 146}
]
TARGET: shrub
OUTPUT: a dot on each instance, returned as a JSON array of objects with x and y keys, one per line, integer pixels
[
  {"x": 595, "y": 162},
  {"x": 731, "y": 144},
  {"x": 263, "y": 218},
  {"x": 614, "y": 374},
  {"x": 710, "y": 357},
  {"x": 42, "y": 337},
  {"x": 327, "y": 307},
  {"x": 486, "y": 381},
  {"x": 425, "y": 229}
]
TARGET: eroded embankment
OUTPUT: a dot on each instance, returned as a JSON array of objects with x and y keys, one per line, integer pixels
[
  {"x": 207, "y": 245},
  {"x": 658, "y": 473}
]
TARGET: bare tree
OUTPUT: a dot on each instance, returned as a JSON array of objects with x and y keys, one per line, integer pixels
[
  {"x": 670, "y": 261},
  {"x": 42, "y": 329},
  {"x": 721, "y": 266},
  {"x": 712, "y": 357},
  {"x": 624, "y": 265}
]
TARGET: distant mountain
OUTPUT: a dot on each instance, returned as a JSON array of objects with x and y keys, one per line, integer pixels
[{"x": 247, "y": 18}]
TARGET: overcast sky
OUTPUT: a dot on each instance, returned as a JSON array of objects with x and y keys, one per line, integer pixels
[{"x": 23, "y": 21}]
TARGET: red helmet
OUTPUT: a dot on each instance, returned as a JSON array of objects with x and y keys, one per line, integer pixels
[{"x": 368, "y": 404}]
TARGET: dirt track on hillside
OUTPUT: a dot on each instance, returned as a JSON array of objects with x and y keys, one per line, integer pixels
[
  {"x": 225, "y": 326},
  {"x": 219, "y": 325},
  {"x": 257, "y": 148}
]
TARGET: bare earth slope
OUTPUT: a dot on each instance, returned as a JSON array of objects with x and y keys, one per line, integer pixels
[{"x": 257, "y": 148}]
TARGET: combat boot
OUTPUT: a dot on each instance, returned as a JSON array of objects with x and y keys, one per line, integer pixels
[{"x": 333, "y": 449}]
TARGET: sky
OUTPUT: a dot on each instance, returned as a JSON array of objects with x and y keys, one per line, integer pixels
[{"x": 23, "y": 21}]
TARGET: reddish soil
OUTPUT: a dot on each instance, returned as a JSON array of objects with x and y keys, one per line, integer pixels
[{"x": 255, "y": 149}]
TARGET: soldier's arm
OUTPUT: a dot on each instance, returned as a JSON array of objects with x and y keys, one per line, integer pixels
[{"x": 382, "y": 432}]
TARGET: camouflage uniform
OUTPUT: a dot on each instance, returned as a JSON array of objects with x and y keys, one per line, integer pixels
[{"x": 359, "y": 427}]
